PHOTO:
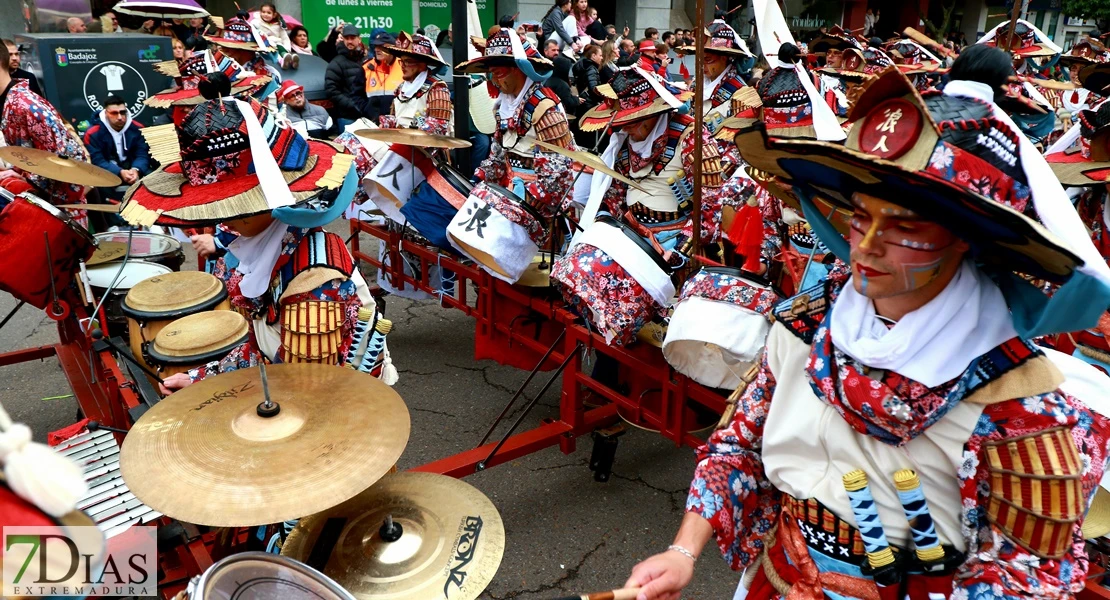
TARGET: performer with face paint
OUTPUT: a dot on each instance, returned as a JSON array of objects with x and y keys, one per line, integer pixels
[{"x": 901, "y": 437}]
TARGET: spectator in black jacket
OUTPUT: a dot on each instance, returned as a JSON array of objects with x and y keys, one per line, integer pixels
[
  {"x": 553, "y": 23},
  {"x": 345, "y": 82},
  {"x": 14, "y": 58},
  {"x": 561, "y": 61},
  {"x": 587, "y": 76}
]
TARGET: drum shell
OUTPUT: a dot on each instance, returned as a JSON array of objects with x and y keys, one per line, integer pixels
[
  {"x": 497, "y": 230},
  {"x": 150, "y": 247},
  {"x": 24, "y": 270},
  {"x": 143, "y": 332},
  {"x": 286, "y": 567}
]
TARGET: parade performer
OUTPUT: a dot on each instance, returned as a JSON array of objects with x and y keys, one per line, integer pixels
[
  {"x": 293, "y": 280},
  {"x": 653, "y": 145},
  {"x": 844, "y": 67},
  {"x": 1085, "y": 53},
  {"x": 1033, "y": 113},
  {"x": 190, "y": 72},
  {"x": 1082, "y": 159},
  {"x": 422, "y": 100},
  {"x": 527, "y": 111},
  {"x": 27, "y": 119},
  {"x": 722, "y": 81},
  {"x": 901, "y": 437}
]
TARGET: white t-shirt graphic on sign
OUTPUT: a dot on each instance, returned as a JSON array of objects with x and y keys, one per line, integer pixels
[{"x": 113, "y": 75}]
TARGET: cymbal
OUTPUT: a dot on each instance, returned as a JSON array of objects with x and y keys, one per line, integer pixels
[
  {"x": 590, "y": 160},
  {"x": 52, "y": 166},
  {"x": 107, "y": 251},
  {"x": 412, "y": 137},
  {"x": 205, "y": 456},
  {"x": 104, "y": 208},
  {"x": 452, "y": 540},
  {"x": 534, "y": 276}
]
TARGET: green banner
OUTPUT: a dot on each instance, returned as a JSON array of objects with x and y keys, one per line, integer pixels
[
  {"x": 438, "y": 13},
  {"x": 321, "y": 16}
]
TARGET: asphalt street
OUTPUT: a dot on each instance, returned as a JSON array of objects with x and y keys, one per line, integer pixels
[{"x": 565, "y": 533}]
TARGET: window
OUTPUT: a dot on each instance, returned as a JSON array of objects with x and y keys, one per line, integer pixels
[
  {"x": 1052, "y": 22},
  {"x": 1039, "y": 21}
]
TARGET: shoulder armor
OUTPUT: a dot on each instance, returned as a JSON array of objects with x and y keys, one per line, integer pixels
[
  {"x": 1036, "y": 491},
  {"x": 553, "y": 128},
  {"x": 317, "y": 248},
  {"x": 803, "y": 313},
  {"x": 439, "y": 101},
  {"x": 311, "y": 331}
]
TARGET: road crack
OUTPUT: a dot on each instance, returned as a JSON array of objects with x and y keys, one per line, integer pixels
[
  {"x": 570, "y": 575},
  {"x": 677, "y": 504}
]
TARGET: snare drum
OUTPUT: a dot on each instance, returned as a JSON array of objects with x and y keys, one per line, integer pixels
[
  {"x": 149, "y": 247},
  {"x": 28, "y": 226},
  {"x": 435, "y": 202},
  {"x": 719, "y": 325},
  {"x": 263, "y": 576},
  {"x": 615, "y": 278},
  {"x": 154, "y": 303},
  {"x": 196, "y": 340},
  {"x": 497, "y": 230}
]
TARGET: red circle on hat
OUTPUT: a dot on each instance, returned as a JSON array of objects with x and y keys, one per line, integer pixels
[{"x": 891, "y": 129}]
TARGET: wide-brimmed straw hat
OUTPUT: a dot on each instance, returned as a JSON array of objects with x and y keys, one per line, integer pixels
[
  {"x": 189, "y": 75},
  {"x": 633, "y": 95},
  {"x": 211, "y": 171},
  {"x": 416, "y": 46},
  {"x": 1086, "y": 52},
  {"x": 947, "y": 158},
  {"x": 240, "y": 35},
  {"x": 833, "y": 39},
  {"x": 1087, "y": 161},
  {"x": 1027, "y": 40},
  {"x": 505, "y": 48},
  {"x": 722, "y": 39}
]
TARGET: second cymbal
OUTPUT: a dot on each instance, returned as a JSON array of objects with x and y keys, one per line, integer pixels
[
  {"x": 448, "y": 541},
  {"x": 59, "y": 168},
  {"x": 412, "y": 137},
  {"x": 590, "y": 160}
]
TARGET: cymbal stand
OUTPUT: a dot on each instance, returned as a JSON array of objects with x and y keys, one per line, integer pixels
[
  {"x": 266, "y": 408},
  {"x": 520, "y": 390},
  {"x": 481, "y": 466},
  {"x": 12, "y": 313}
]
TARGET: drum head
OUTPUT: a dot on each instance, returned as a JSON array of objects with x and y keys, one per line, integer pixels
[
  {"x": 144, "y": 244},
  {"x": 174, "y": 293},
  {"x": 261, "y": 576},
  {"x": 134, "y": 271},
  {"x": 198, "y": 335}
]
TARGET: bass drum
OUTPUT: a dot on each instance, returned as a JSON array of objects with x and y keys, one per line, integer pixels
[
  {"x": 435, "y": 202},
  {"x": 149, "y": 247},
  {"x": 263, "y": 576}
]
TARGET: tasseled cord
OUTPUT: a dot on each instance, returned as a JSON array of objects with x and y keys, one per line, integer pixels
[
  {"x": 37, "y": 473},
  {"x": 746, "y": 233}
]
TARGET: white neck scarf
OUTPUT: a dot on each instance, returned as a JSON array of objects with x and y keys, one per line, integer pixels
[
  {"x": 933, "y": 344},
  {"x": 643, "y": 148},
  {"x": 409, "y": 88},
  {"x": 510, "y": 105},
  {"x": 118, "y": 136},
  {"x": 257, "y": 256},
  {"x": 711, "y": 86}
]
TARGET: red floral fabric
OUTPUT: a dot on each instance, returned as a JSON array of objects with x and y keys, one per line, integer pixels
[
  {"x": 730, "y": 289},
  {"x": 29, "y": 120},
  {"x": 512, "y": 211},
  {"x": 602, "y": 291}
]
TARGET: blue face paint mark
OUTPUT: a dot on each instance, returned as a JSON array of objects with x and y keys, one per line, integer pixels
[{"x": 863, "y": 284}]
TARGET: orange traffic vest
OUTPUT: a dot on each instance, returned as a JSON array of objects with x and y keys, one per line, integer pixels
[{"x": 382, "y": 80}]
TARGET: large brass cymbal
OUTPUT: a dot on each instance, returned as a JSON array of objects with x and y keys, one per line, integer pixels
[
  {"x": 205, "y": 456},
  {"x": 452, "y": 540},
  {"x": 590, "y": 160},
  {"x": 412, "y": 137},
  {"x": 59, "y": 168}
]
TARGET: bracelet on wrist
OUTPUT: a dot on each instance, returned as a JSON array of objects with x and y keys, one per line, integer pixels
[{"x": 682, "y": 551}]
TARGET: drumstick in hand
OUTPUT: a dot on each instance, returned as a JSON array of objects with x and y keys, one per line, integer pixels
[{"x": 622, "y": 594}]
